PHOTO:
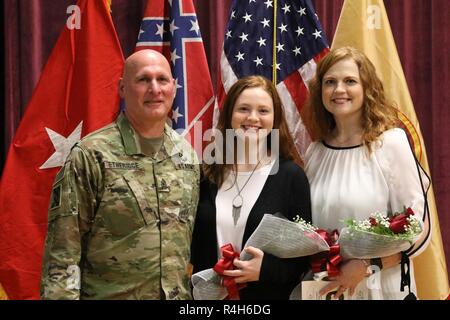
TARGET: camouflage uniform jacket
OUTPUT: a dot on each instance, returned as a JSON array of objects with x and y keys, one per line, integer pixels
[{"x": 120, "y": 223}]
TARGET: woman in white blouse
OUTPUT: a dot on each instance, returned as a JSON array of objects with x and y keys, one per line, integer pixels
[
  {"x": 264, "y": 176},
  {"x": 359, "y": 164}
]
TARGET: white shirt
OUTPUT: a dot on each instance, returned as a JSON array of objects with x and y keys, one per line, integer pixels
[
  {"x": 227, "y": 232},
  {"x": 347, "y": 183}
]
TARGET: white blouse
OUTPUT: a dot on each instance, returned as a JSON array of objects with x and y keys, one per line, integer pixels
[
  {"x": 348, "y": 183},
  {"x": 227, "y": 232}
]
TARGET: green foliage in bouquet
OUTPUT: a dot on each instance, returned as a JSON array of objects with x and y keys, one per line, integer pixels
[{"x": 401, "y": 225}]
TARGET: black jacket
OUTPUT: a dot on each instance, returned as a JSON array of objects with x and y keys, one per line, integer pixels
[{"x": 286, "y": 192}]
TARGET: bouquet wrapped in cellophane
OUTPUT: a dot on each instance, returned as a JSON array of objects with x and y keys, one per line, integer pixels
[
  {"x": 275, "y": 235},
  {"x": 379, "y": 236}
]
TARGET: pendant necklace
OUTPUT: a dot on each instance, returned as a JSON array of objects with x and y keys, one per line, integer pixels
[{"x": 238, "y": 200}]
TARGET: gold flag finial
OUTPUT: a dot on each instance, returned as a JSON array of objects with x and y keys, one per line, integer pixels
[{"x": 108, "y": 5}]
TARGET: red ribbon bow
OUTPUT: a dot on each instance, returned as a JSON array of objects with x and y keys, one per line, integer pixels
[
  {"x": 226, "y": 263},
  {"x": 331, "y": 259}
]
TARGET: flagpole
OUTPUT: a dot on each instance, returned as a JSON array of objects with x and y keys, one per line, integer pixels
[{"x": 274, "y": 44}]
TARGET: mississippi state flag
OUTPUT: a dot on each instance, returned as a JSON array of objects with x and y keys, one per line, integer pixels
[
  {"x": 171, "y": 27},
  {"x": 281, "y": 40}
]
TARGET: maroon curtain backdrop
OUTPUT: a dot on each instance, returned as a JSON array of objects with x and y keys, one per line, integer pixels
[{"x": 420, "y": 29}]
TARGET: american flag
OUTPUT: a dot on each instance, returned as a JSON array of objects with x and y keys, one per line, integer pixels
[
  {"x": 171, "y": 27},
  {"x": 250, "y": 46}
]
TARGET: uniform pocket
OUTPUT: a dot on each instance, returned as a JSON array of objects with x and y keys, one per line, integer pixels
[
  {"x": 190, "y": 188},
  {"x": 142, "y": 193},
  {"x": 122, "y": 207},
  {"x": 174, "y": 196}
]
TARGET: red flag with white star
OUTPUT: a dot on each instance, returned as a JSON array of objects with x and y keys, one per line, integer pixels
[{"x": 76, "y": 94}]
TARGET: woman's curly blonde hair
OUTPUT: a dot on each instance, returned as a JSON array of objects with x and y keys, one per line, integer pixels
[{"x": 378, "y": 115}]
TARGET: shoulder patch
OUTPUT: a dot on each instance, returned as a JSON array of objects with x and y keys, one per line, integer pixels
[{"x": 56, "y": 197}]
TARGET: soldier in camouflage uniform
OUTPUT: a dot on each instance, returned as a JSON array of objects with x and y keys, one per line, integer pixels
[{"x": 122, "y": 207}]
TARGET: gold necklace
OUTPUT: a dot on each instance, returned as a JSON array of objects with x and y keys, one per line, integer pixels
[{"x": 238, "y": 200}]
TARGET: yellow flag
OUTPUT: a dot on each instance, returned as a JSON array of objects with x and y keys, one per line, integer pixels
[
  {"x": 3, "y": 295},
  {"x": 364, "y": 24}
]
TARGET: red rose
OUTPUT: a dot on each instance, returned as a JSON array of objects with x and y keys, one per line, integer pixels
[
  {"x": 398, "y": 223},
  {"x": 373, "y": 221},
  {"x": 409, "y": 212}
]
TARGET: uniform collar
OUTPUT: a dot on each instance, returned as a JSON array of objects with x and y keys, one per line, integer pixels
[{"x": 131, "y": 140}]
